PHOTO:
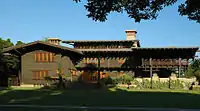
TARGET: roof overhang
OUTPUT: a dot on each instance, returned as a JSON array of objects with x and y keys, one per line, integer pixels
[
  {"x": 182, "y": 52},
  {"x": 39, "y": 45},
  {"x": 72, "y": 42}
]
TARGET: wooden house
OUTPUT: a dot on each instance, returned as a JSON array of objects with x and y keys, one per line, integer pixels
[{"x": 90, "y": 60}]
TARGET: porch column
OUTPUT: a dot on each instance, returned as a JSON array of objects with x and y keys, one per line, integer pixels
[
  {"x": 179, "y": 67},
  {"x": 150, "y": 64},
  {"x": 98, "y": 66},
  {"x": 19, "y": 77}
]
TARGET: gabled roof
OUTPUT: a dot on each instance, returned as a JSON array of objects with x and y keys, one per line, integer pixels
[{"x": 40, "y": 45}]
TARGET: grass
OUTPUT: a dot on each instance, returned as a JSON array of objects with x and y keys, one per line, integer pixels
[
  {"x": 56, "y": 109},
  {"x": 110, "y": 97}
]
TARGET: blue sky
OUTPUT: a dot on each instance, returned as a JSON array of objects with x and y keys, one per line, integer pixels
[{"x": 30, "y": 20}]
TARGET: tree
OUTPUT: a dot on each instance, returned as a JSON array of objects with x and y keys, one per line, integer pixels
[
  {"x": 45, "y": 39},
  {"x": 194, "y": 69},
  {"x": 20, "y": 43},
  {"x": 9, "y": 64},
  {"x": 5, "y": 43},
  {"x": 139, "y": 9}
]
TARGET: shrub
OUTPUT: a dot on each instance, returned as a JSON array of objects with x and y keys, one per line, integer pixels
[
  {"x": 176, "y": 84},
  {"x": 160, "y": 85},
  {"x": 197, "y": 75},
  {"x": 146, "y": 84},
  {"x": 196, "y": 88},
  {"x": 107, "y": 81},
  {"x": 124, "y": 79}
]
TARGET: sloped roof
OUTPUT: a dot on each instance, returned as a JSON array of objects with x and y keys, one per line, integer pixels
[
  {"x": 100, "y": 41},
  {"x": 182, "y": 52},
  {"x": 42, "y": 44}
]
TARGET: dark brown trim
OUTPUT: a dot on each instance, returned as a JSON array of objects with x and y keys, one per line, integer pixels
[{"x": 167, "y": 48}]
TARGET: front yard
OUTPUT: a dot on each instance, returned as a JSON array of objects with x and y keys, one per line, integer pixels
[{"x": 110, "y": 97}]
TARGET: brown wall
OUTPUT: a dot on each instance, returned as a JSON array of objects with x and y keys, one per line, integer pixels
[{"x": 29, "y": 64}]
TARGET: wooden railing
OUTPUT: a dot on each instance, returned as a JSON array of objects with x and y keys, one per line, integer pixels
[{"x": 164, "y": 62}]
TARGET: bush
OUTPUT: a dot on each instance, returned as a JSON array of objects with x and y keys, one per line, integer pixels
[
  {"x": 107, "y": 82},
  {"x": 197, "y": 75},
  {"x": 160, "y": 85},
  {"x": 146, "y": 84},
  {"x": 176, "y": 84},
  {"x": 124, "y": 79},
  {"x": 196, "y": 88}
]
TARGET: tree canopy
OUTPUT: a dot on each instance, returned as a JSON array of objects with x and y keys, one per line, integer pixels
[
  {"x": 8, "y": 63},
  {"x": 194, "y": 69},
  {"x": 19, "y": 43},
  {"x": 139, "y": 10}
]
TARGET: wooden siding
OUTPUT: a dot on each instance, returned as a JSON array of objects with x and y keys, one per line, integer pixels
[{"x": 29, "y": 65}]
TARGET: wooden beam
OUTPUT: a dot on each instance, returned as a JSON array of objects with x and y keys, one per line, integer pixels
[
  {"x": 152, "y": 70},
  {"x": 18, "y": 52}
]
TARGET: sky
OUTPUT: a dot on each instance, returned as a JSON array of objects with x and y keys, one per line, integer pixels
[{"x": 31, "y": 20}]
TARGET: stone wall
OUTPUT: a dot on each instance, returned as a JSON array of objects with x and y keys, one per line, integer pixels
[
  {"x": 163, "y": 83},
  {"x": 155, "y": 77}
]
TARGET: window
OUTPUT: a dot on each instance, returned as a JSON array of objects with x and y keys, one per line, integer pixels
[
  {"x": 93, "y": 60},
  {"x": 73, "y": 72},
  {"x": 121, "y": 73},
  {"x": 44, "y": 57},
  {"x": 102, "y": 60},
  {"x": 60, "y": 71},
  {"x": 39, "y": 75},
  {"x": 85, "y": 60},
  {"x": 121, "y": 60},
  {"x": 43, "y": 54}
]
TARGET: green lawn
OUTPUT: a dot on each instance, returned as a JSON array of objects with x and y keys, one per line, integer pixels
[
  {"x": 54, "y": 109},
  {"x": 110, "y": 97}
]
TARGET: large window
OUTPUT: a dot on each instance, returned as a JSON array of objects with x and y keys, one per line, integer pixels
[
  {"x": 44, "y": 57},
  {"x": 93, "y": 60},
  {"x": 39, "y": 75},
  {"x": 121, "y": 60}
]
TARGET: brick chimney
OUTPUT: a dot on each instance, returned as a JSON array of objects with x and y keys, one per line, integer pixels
[
  {"x": 131, "y": 34},
  {"x": 55, "y": 41}
]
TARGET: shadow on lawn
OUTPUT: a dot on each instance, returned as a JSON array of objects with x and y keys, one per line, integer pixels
[{"x": 99, "y": 97}]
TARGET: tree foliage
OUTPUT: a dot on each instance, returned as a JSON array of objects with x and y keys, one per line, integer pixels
[
  {"x": 9, "y": 64},
  {"x": 139, "y": 10},
  {"x": 194, "y": 69},
  {"x": 19, "y": 43}
]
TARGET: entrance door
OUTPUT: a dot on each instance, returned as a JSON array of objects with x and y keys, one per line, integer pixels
[{"x": 92, "y": 76}]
